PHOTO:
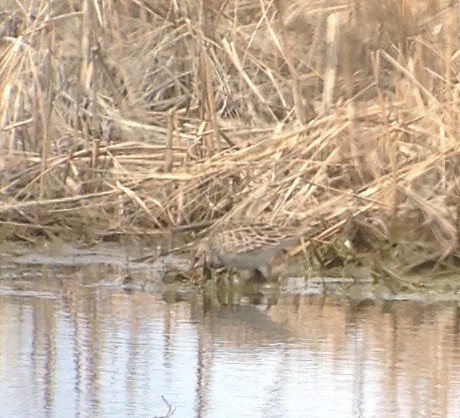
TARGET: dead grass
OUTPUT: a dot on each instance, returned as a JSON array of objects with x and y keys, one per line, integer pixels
[{"x": 141, "y": 117}]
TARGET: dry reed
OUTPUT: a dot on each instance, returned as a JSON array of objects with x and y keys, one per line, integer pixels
[{"x": 141, "y": 117}]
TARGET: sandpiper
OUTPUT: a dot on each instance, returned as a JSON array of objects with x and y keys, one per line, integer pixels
[{"x": 245, "y": 247}]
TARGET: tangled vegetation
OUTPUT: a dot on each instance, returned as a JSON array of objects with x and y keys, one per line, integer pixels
[{"x": 142, "y": 118}]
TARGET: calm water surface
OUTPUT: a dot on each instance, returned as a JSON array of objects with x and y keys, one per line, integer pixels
[{"x": 72, "y": 346}]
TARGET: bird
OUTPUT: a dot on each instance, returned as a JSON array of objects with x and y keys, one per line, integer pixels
[{"x": 251, "y": 247}]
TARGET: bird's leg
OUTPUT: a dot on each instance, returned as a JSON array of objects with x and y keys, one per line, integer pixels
[{"x": 207, "y": 272}]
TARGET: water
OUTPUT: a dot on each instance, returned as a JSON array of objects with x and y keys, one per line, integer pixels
[{"x": 70, "y": 346}]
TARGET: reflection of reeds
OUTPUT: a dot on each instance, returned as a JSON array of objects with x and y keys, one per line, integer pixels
[
  {"x": 137, "y": 119},
  {"x": 399, "y": 356}
]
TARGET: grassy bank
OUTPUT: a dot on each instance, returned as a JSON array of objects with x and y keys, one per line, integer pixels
[{"x": 143, "y": 118}]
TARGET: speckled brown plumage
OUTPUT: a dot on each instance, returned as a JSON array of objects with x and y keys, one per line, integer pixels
[{"x": 245, "y": 247}]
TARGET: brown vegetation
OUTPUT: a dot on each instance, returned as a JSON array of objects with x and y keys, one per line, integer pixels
[{"x": 140, "y": 117}]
